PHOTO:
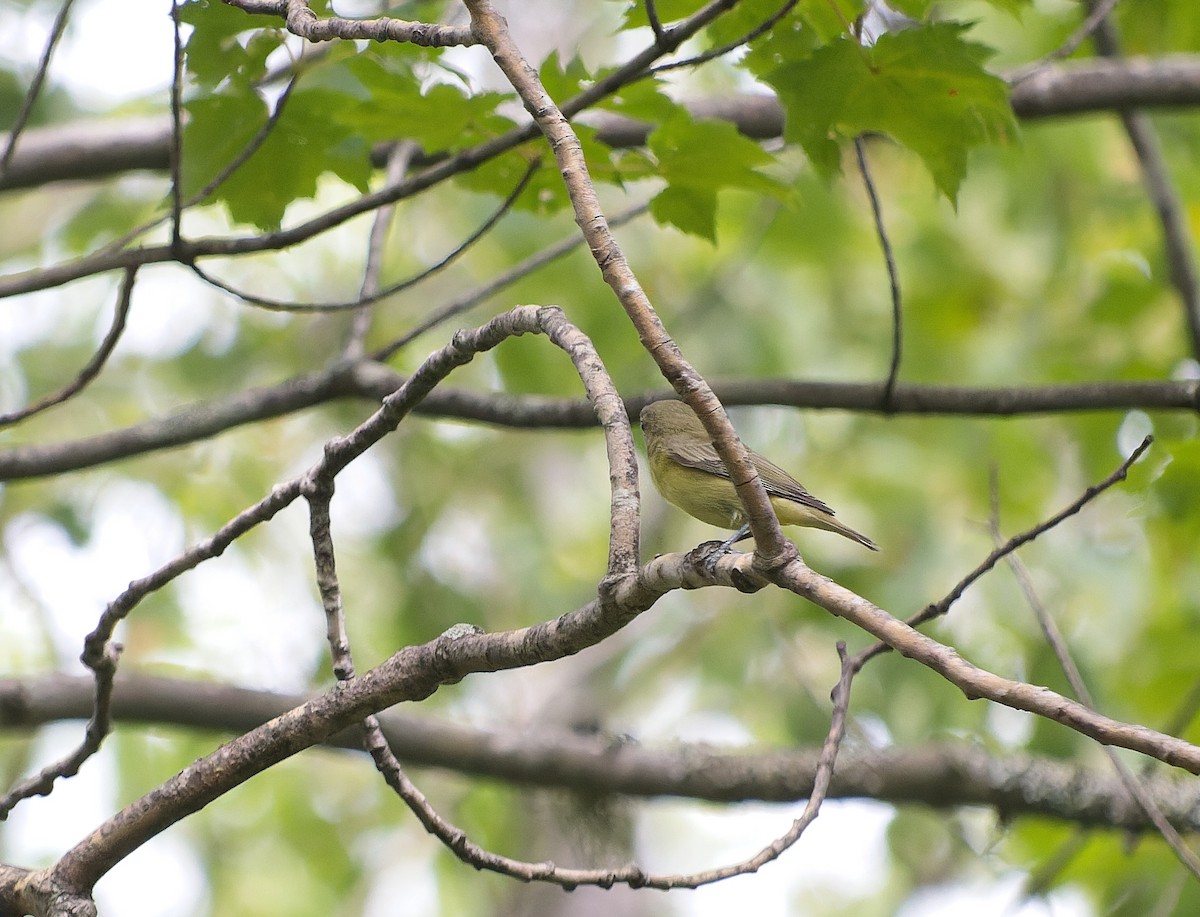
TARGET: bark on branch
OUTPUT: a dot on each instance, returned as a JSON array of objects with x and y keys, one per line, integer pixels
[{"x": 940, "y": 776}]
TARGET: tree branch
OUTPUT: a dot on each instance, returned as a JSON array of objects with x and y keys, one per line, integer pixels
[
  {"x": 937, "y": 775},
  {"x": 373, "y": 382},
  {"x": 97, "y": 149}
]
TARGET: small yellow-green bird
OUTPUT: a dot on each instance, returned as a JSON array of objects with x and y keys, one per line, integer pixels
[{"x": 688, "y": 473}]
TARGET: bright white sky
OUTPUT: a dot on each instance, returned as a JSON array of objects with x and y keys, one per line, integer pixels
[{"x": 119, "y": 50}]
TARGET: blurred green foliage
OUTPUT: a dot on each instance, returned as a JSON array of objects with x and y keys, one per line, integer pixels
[{"x": 763, "y": 262}]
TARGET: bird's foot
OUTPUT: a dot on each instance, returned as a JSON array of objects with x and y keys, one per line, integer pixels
[{"x": 708, "y": 553}]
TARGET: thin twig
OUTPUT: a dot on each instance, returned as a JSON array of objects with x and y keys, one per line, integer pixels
[
  {"x": 656, "y": 25},
  {"x": 176, "y": 159},
  {"x": 318, "y": 492},
  {"x": 251, "y": 147},
  {"x": 35, "y": 85},
  {"x": 277, "y": 305},
  {"x": 398, "y": 162},
  {"x": 457, "y": 841},
  {"x": 1062, "y": 653},
  {"x": 98, "y": 726},
  {"x": 1172, "y": 216},
  {"x": 93, "y": 367},
  {"x": 761, "y": 29},
  {"x": 889, "y": 258},
  {"x": 484, "y": 291},
  {"x": 1089, "y": 25},
  {"x": 940, "y": 608}
]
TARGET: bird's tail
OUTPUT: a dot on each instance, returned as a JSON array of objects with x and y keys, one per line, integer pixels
[{"x": 830, "y": 524}]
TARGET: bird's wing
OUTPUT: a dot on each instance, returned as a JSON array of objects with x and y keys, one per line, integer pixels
[
  {"x": 776, "y": 481},
  {"x": 699, "y": 455}
]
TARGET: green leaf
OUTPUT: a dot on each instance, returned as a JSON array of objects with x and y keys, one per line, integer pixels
[
  {"x": 924, "y": 87},
  {"x": 1013, "y": 7},
  {"x": 643, "y": 99},
  {"x": 304, "y": 144},
  {"x": 215, "y": 51},
  {"x": 562, "y": 82},
  {"x": 692, "y": 210},
  {"x": 443, "y": 117},
  {"x": 668, "y": 11},
  {"x": 106, "y": 215},
  {"x": 914, "y": 9},
  {"x": 697, "y": 159},
  {"x": 500, "y": 175},
  {"x": 741, "y": 20},
  {"x": 218, "y": 127}
]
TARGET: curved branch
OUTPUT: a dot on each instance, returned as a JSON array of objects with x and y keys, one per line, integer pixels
[
  {"x": 422, "y": 669},
  {"x": 93, "y": 366}
]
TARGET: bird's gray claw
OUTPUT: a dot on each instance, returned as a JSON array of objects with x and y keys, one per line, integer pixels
[{"x": 713, "y": 551}]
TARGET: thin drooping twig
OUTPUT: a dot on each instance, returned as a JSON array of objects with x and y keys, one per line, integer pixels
[
  {"x": 720, "y": 51},
  {"x": 824, "y": 772},
  {"x": 505, "y": 279},
  {"x": 941, "y": 607},
  {"x": 889, "y": 260},
  {"x": 398, "y": 162},
  {"x": 318, "y": 492},
  {"x": 176, "y": 160},
  {"x": 244, "y": 154},
  {"x": 99, "y": 725},
  {"x": 457, "y": 841},
  {"x": 1172, "y": 216},
  {"x": 1097, "y": 15},
  {"x": 93, "y": 367},
  {"x": 35, "y": 85},
  {"x": 1066, "y": 661},
  {"x": 366, "y": 299}
]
